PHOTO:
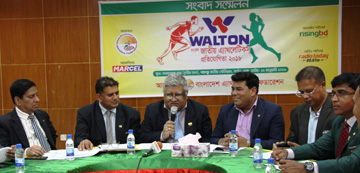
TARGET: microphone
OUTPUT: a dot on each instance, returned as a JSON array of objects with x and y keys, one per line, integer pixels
[
  {"x": 173, "y": 111},
  {"x": 154, "y": 148}
]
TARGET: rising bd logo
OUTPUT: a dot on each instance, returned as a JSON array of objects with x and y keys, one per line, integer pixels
[
  {"x": 126, "y": 44},
  {"x": 190, "y": 84}
]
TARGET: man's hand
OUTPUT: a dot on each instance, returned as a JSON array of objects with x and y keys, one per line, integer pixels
[
  {"x": 279, "y": 155},
  {"x": 11, "y": 153},
  {"x": 169, "y": 129},
  {"x": 85, "y": 144},
  {"x": 291, "y": 166},
  {"x": 242, "y": 142},
  {"x": 225, "y": 140},
  {"x": 293, "y": 144},
  {"x": 35, "y": 151}
]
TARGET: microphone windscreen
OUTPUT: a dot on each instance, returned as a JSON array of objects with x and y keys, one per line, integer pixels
[
  {"x": 159, "y": 144},
  {"x": 174, "y": 110}
]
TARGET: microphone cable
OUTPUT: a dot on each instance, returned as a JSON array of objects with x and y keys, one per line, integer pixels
[{"x": 139, "y": 163}]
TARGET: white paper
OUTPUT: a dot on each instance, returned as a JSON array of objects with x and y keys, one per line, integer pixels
[
  {"x": 226, "y": 150},
  {"x": 266, "y": 155},
  {"x": 61, "y": 154},
  {"x": 3, "y": 157}
]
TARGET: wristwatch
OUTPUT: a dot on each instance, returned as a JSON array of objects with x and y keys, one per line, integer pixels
[{"x": 309, "y": 167}]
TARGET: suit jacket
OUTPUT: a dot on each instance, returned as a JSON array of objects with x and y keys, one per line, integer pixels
[
  {"x": 267, "y": 123},
  {"x": 12, "y": 131},
  {"x": 91, "y": 125},
  {"x": 326, "y": 148},
  {"x": 196, "y": 120},
  {"x": 299, "y": 118}
]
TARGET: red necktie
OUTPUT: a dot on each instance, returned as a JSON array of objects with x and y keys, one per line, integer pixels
[{"x": 342, "y": 140}]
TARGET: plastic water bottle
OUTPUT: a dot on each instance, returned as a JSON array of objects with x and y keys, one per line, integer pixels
[
  {"x": 19, "y": 159},
  {"x": 270, "y": 168},
  {"x": 70, "y": 153},
  {"x": 258, "y": 154},
  {"x": 131, "y": 142},
  {"x": 233, "y": 144}
]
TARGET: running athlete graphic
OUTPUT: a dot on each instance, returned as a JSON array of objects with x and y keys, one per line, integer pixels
[
  {"x": 177, "y": 37},
  {"x": 258, "y": 38}
]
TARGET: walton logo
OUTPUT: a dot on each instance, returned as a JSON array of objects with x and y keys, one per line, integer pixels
[{"x": 219, "y": 23}]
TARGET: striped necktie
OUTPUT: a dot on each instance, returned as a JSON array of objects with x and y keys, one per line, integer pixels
[
  {"x": 342, "y": 140},
  {"x": 43, "y": 142}
]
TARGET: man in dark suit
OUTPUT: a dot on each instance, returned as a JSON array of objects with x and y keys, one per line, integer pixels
[
  {"x": 191, "y": 116},
  {"x": 252, "y": 117},
  {"x": 106, "y": 120},
  {"x": 312, "y": 119},
  {"x": 26, "y": 124},
  {"x": 339, "y": 149}
]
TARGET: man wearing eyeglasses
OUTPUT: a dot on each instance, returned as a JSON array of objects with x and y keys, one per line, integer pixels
[
  {"x": 312, "y": 119},
  {"x": 338, "y": 150},
  {"x": 191, "y": 116}
]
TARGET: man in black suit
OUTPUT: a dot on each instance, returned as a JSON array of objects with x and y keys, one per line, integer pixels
[
  {"x": 312, "y": 119},
  {"x": 191, "y": 116},
  {"x": 26, "y": 124},
  {"x": 106, "y": 120}
]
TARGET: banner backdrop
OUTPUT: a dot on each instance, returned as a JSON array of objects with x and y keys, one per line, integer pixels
[{"x": 208, "y": 41}]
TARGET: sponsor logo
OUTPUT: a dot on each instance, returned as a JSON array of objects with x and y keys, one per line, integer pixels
[
  {"x": 218, "y": 22},
  {"x": 319, "y": 34},
  {"x": 130, "y": 68},
  {"x": 219, "y": 40},
  {"x": 126, "y": 44},
  {"x": 190, "y": 84}
]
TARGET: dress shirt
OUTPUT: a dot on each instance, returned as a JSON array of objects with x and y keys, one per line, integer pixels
[
  {"x": 181, "y": 119},
  {"x": 28, "y": 128},
  {"x": 112, "y": 118},
  {"x": 313, "y": 121},
  {"x": 291, "y": 155},
  {"x": 243, "y": 125}
]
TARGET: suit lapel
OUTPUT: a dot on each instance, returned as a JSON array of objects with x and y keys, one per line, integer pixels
[
  {"x": 351, "y": 136},
  {"x": 99, "y": 120},
  {"x": 119, "y": 122},
  {"x": 19, "y": 129},
  {"x": 189, "y": 119},
  {"x": 304, "y": 124},
  {"x": 257, "y": 116},
  {"x": 326, "y": 108}
]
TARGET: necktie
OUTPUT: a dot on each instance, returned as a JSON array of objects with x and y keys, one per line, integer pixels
[
  {"x": 342, "y": 140},
  {"x": 109, "y": 135},
  {"x": 43, "y": 142},
  {"x": 178, "y": 129}
]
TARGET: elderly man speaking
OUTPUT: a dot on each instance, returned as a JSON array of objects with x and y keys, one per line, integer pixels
[{"x": 188, "y": 115}]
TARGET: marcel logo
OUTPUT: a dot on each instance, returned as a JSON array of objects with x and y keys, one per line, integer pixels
[
  {"x": 320, "y": 34},
  {"x": 130, "y": 68},
  {"x": 218, "y": 22}
]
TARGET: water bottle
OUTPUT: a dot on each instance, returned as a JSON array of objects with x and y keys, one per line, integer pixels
[
  {"x": 70, "y": 154},
  {"x": 131, "y": 142},
  {"x": 233, "y": 144},
  {"x": 258, "y": 154},
  {"x": 270, "y": 168},
  {"x": 19, "y": 159}
]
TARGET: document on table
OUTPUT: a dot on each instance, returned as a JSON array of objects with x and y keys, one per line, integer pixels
[
  {"x": 221, "y": 149},
  {"x": 3, "y": 157},
  {"x": 266, "y": 155},
  {"x": 146, "y": 146},
  {"x": 61, "y": 154}
]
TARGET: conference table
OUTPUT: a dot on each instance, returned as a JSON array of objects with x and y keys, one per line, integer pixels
[{"x": 160, "y": 162}]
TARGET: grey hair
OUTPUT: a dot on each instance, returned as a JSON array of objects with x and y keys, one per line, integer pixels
[{"x": 175, "y": 79}]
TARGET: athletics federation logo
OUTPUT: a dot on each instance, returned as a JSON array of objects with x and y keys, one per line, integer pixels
[
  {"x": 218, "y": 22},
  {"x": 126, "y": 44}
]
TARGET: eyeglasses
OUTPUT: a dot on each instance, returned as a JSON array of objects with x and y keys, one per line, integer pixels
[
  {"x": 304, "y": 93},
  {"x": 340, "y": 94},
  {"x": 177, "y": 96}
]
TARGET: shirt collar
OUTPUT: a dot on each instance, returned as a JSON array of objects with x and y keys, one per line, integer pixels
[
  {"x": 103, "y": 110},
  {"x": 253, "y": 107},
  {"x": 351, "y": 121}
]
